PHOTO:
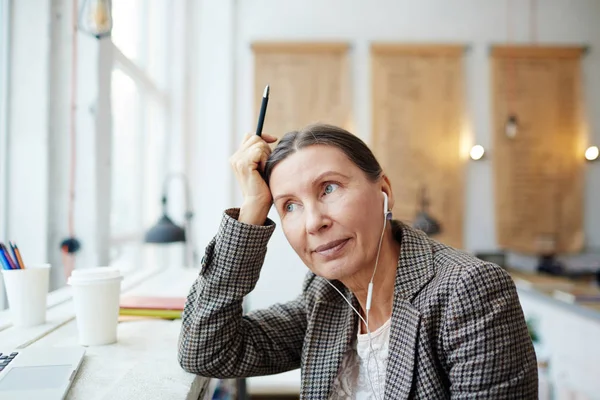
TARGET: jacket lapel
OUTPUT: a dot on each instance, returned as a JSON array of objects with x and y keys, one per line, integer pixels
[
  {"x": 402, "y": 351},
  {"x": 329, "y": 334},
  {"x": 415, "y": 269}
]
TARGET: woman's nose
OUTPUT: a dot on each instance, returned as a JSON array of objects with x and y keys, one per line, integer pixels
[{"x": 317, "y": 218}]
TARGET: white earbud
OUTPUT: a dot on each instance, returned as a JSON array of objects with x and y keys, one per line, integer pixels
[
  {"x": 385, "y": 203},
  {"x": 386, "y": 211}
]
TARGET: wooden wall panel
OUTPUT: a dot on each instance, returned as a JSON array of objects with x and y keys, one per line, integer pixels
[
  {"x": 309, "y": 82},
  {"x": 418, "y": 117},
  {"x": 538, "y": 176}
]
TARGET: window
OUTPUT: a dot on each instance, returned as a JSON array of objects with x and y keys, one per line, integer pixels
[
  {"x": 4, "y": 35},
  {"x": 141, "y": 114}
]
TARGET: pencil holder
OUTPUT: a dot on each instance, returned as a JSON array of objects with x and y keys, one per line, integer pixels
[{"x": 27, "y": 291}]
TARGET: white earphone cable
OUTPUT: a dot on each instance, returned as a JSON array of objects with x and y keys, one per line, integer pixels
[
  {"x": 369, "y": 297},
  {"x": 366, "y": 322},
  {"x": 347, "y": 301},
  {"x": 368, "y": 308}
]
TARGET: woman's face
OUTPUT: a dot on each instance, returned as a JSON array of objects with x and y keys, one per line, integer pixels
[{"x": 331, "y": 214}]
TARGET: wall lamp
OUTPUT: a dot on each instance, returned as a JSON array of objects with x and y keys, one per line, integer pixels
[
  {"x": 591, "y": 153},
  {"x": 477, "y": 152}
]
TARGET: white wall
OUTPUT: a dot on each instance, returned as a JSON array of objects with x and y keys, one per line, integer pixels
[{"x": 477, "y": 23}]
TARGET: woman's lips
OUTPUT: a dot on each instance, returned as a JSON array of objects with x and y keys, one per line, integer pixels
[{"x": 332, "y": 248}]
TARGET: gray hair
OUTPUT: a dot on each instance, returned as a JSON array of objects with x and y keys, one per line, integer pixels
[{"x": 322, "y": 134}]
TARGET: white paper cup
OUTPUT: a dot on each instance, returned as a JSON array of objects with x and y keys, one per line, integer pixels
[
  {"x": 96, "y": 295},
  {"x": 27, "y": 292}
]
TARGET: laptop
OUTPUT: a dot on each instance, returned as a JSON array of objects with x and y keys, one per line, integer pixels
[{"x": 38, "y": 372}]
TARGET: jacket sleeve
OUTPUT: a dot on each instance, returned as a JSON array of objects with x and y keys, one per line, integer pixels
[
  {"x": 487, "y": 347},
  {"x": 216, "y": 339}
]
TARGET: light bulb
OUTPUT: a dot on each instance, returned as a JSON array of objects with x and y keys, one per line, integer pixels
[
  {"x": 591, "y": 154},
  {"x": 95, "y": 18},
  {"x": 512, "y": 126},
  {"x": 477, "y": 152}
]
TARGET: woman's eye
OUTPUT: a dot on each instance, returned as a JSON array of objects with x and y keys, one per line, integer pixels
[
  {"x": 289, "y": 207},
  {"x": 330, "y": 187}
]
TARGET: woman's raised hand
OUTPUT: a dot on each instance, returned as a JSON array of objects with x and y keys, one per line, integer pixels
[{"x": 248, "y": 162}]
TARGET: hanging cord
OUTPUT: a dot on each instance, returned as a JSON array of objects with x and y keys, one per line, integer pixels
[
  {"x": 68, "y": 254},
  {"x": 533, "y": 21},
  {"x": 510, "y": 68}
]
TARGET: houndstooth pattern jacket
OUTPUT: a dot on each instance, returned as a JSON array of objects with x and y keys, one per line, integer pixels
[{"x": 458, "y": 330}]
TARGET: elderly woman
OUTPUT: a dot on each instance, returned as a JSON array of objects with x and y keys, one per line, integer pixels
[{"x": 385, "y": 311}]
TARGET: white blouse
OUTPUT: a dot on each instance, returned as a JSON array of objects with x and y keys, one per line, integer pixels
[{"x": 352, "y": 382}]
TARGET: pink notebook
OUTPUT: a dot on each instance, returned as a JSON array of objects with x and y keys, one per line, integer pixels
[{"x": 152, "y": 303}]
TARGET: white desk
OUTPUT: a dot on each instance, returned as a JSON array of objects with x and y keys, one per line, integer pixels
[
  {"x": 287, "y": 383},
  {"x": 141, "y": 365}
]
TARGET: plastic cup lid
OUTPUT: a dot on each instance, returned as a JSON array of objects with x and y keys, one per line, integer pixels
[{"x": 91, "y": 275}]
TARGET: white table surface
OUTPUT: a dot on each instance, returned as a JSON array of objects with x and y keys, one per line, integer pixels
[
  {"x": 285, "y": 383},
  {"x": 141, "y": 365}
]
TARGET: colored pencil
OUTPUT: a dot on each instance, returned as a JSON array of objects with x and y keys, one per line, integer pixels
[
  {"x": 4, "y": 261},
  {"x": 18, "y": 255},
  {"x": 7, "y": 256}
]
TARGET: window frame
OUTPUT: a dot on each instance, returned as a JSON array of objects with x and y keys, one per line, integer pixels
[
  {"x": 151, "y": 95},
  {"x": 5, "y": 27}
]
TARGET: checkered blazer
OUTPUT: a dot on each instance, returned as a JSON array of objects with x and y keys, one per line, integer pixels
[{"x": 457, "y": 330}]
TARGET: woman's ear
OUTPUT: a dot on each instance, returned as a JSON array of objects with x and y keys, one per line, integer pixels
[{"x": 386, "y": 187}]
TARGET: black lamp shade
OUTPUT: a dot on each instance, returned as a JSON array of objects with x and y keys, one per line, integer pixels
[
  {"x": 423, "y": 221},
  {"x": 165, "y": 231},
  {"x": 426, "y": 224}
]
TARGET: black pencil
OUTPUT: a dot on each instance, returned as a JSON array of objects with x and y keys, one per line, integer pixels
[{"x": 263, "y": 111}]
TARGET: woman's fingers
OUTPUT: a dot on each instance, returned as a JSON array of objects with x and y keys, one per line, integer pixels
[
  {"x": 248, "y": 162},
  {"x": 251, "y": 138},
  {"x": 269, "y": 138}
]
